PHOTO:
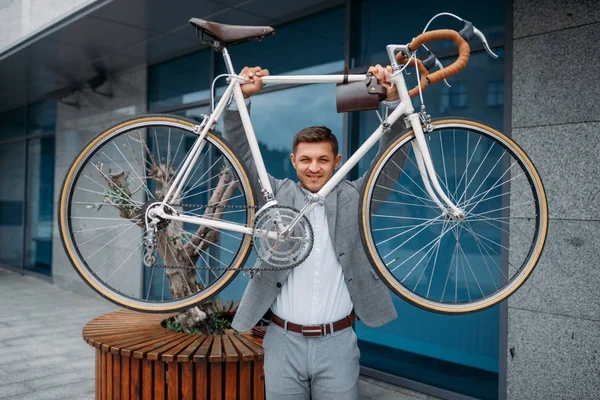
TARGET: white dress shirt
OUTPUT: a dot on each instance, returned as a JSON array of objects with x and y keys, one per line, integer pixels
[{"x": 315, "y": 291}]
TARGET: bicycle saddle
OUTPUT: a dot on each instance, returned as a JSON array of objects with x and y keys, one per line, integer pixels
[{"x": 231, "y": 34}]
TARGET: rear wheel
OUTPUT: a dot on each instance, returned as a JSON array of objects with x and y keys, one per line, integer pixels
[
  {"x": 455, "y": 265},
  {"x": 103, "y": 202}
]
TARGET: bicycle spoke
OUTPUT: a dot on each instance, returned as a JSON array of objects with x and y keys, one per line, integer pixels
[
  {"x": 402, "y": 203},
  {"x": 428, "y": 222},
  {"x": 124, "y": 261},
  {"x": 109, "y": 242},
  {"x": 435, "y": 261},
  {"x": 128, "y": 200},
  {"x": 482, "y": 162},
  {"x": 422, "y": 199},
  {"x": 183, "y": 196},
  {"x": 142, "y": 181},
  {"x": 437, "y": 247},
  {"x": 119, "y": 252},
  {"x": 108, "y": 179}
]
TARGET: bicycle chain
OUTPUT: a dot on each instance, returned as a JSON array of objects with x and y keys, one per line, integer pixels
[{"x": 252, "y": 270}]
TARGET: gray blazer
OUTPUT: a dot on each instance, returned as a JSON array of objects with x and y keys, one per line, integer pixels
[{"x": 371, "y": 298}]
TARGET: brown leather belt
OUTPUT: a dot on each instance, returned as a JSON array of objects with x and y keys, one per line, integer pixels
[{"x": 314, "y": 330}]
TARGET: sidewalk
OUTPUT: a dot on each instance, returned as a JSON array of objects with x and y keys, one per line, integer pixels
[{"x": 42, "y": 354}]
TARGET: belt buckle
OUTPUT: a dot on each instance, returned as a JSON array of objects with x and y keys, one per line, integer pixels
[{"x": 312, "y": 331}]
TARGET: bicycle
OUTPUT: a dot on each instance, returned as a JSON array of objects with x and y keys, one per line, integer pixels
[{"x": 178, "y": 192}]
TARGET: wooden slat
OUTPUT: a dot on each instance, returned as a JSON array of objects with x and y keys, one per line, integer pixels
[
  {"x": 215, "y": 384},
  {"x": 161, "y": 338},
  {"x": 200, "y": 355},
  {"x": 155, "y": 351},
  {"x": 147, "y": 379},
  {"x": 169, "y": 355},
  {"x": 231, "y": 358},
  {"x": 135, "y": 379},
  {"x": 245, "y": 367},
  {"x": 186, "y": 354},
  {"x": 125, "y": 378},
  {"x": 103, "y": 393},
  {"x": 99, "y": 382},
  {"x": 256, "y": 349},
  {"x": 216, "y": 351},
  {"x": 117, "y": 377},
  {"x": 187, "y": 380},
  {"x": 173, "y": 380},
  {"x": 245, "y": 380},
  {"x": 244, "y": 352},
  {"x": 159, "y": 380},
  {"x": 116, "y": 346},
  {"x": 109, "y": 376},
  {"x": 201, "y": 380},
  {"x": 215, "y": 364},
  {"x": 258, "y": 380},
  {"x": 231, "y": 380}
]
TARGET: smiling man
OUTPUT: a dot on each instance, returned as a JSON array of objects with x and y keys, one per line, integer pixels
[{"x": 310, "y": 346}]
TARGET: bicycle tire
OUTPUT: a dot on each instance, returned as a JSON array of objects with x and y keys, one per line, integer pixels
[
  {"x": 85, "y": 160},
  {"x": 373, "y": 232}
]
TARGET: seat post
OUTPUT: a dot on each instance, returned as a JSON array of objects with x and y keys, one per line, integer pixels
[{"x": 227, "y": 59}]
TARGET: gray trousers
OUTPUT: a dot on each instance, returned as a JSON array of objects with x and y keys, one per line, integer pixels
[{"x": 319, "y": 368}]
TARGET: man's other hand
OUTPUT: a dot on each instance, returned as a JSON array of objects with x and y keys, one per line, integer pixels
[
  {"x": 383, "y": 78},
  {"x": 254, "y": 83}
]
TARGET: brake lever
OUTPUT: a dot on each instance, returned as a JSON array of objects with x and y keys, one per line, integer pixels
[
  {"x": 485, "y": 43},
  {"x": 432, "y": 60},
  {"x": 440, "y": 66}
]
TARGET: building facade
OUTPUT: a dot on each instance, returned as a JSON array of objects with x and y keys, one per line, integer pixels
[{"x": 70, "y": 73}]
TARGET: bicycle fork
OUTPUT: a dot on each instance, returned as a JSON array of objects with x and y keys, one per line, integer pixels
[{"x": 427, "y": 171}]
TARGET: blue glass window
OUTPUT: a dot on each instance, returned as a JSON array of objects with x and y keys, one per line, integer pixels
[
  {"x": 179, "y": 81},
  {"x": 311, "y": 45},
  {"x": 383, "y": 23}
]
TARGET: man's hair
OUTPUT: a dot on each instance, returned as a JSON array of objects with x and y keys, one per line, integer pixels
[{"x": 316, "y": 134}]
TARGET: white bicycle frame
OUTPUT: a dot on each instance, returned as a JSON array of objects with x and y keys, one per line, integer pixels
[{"x": 404, "y": 109}]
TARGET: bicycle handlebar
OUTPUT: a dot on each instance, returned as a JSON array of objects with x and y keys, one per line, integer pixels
[{"x": 464, "y": 51}]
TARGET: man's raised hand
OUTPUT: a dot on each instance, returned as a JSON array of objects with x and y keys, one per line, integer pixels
[
  {"x": 253, "y": 83},
  {"x": 383, "y": 78}
]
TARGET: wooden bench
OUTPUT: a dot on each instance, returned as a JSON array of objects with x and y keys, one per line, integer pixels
[{"x": 137, "y": 358}]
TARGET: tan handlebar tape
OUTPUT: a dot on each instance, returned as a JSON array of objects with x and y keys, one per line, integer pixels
[{"x": 464, "y": 51}]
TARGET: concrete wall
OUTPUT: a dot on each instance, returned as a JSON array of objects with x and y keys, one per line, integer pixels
[
  {"x": 20, "y": 18},
  {"x": 74, "y": 129},
  {"x": 554, "y": 320}
]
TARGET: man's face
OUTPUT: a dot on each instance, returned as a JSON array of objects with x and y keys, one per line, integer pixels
[{"x": 315, "y": 164}]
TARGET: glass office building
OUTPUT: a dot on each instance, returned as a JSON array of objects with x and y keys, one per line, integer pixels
[{"x": 447, "y": 356}]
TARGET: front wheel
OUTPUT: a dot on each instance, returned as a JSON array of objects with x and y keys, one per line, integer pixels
[
  {"x": 435, "y": 260},
  {"x": 103, "y": 201}
]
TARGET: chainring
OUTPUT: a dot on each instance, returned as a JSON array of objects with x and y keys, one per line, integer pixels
[{"x": 282, "y": 252}]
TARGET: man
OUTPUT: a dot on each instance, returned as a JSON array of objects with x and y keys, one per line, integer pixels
[{"x": 323, "y": 293}]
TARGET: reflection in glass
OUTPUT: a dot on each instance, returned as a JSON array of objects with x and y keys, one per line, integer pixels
[
  {"x": 384, "y": 22},
  {"x": 314, "y": 45},
  {"x": 179, "y": 81},
  {"x": 40, "y": 190},
  {"x": 12, "y": 202}
]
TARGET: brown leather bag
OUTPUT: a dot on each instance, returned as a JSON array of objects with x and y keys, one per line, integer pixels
[{"x": 359, "y": 96}]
